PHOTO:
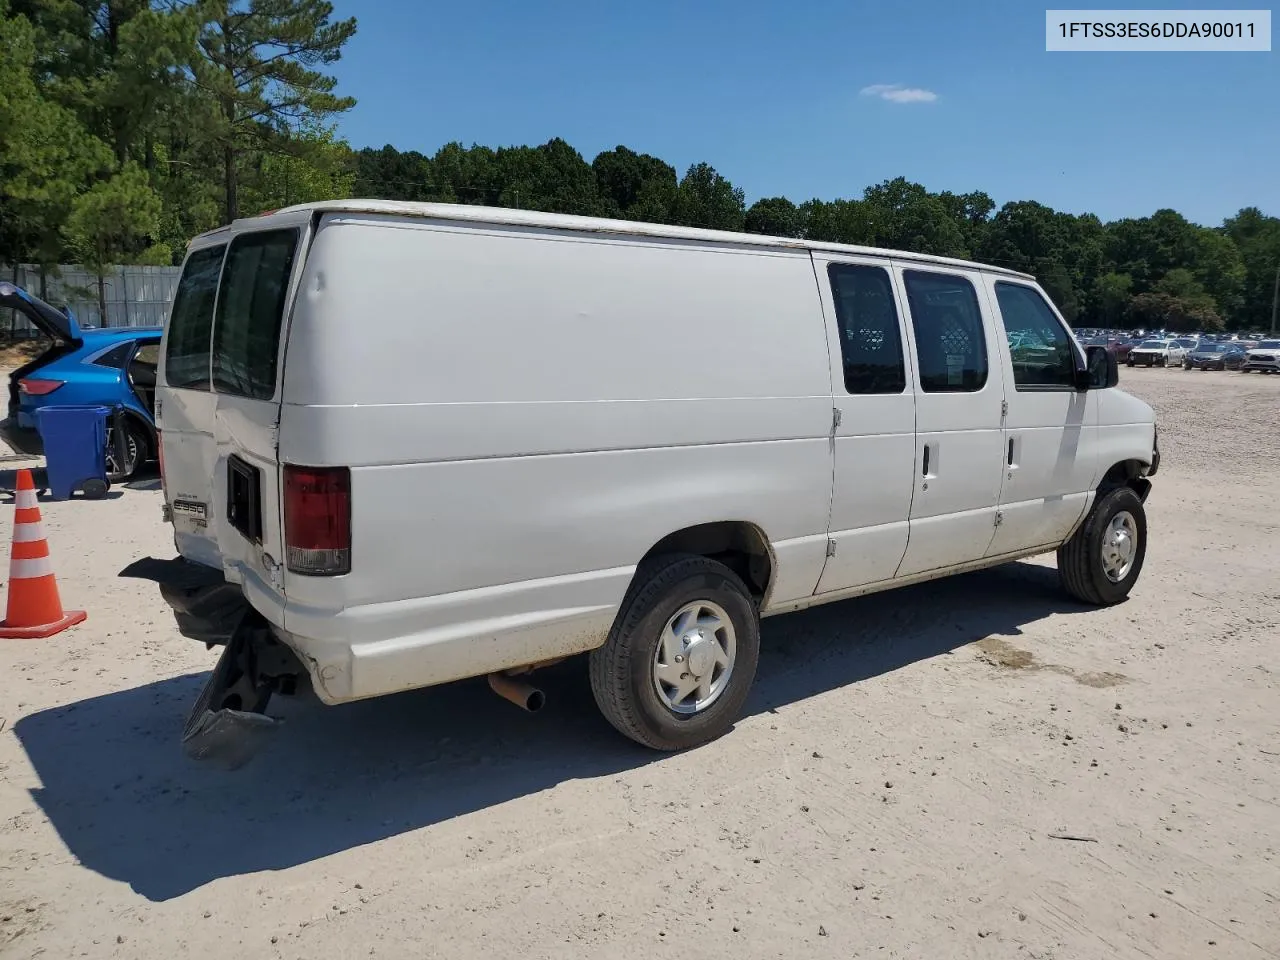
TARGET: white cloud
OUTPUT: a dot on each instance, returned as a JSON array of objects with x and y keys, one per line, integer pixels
[{"x": 897, "y": 93}]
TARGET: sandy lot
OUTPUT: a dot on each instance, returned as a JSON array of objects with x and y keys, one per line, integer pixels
[{"x": 890, "y": 793}]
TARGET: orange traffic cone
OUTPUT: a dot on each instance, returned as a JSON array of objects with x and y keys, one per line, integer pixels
[{"x": 34, "y": 609}]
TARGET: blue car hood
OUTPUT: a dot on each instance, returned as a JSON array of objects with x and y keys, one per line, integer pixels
[{"x": 51, "y": 321}]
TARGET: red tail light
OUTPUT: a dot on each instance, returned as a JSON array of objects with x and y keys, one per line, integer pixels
[
  {"x": 317, "y": 520},
  {"x": 38, "y": 388}
]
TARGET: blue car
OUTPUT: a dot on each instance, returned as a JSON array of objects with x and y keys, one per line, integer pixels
[{"x": 115, "y": 367}]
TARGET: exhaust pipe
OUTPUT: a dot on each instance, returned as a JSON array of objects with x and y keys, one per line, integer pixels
[{"x": 521, "y": 694}]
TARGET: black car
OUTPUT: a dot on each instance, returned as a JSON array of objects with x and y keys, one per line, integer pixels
[{"x": 1214, "y": 355}]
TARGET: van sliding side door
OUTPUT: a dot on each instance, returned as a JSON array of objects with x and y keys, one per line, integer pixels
[
  {"x": 959, "y": 416},
  {"x": 873, "y": 421}
]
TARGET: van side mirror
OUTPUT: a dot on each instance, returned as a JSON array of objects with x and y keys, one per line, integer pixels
[{"x": 1101, "y": 369}]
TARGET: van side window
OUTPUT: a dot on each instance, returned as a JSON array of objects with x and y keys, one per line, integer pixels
[
  {"x": 186, "y": 361},
  {"x": 1040, "y": 348},
  {"x": 870, "y": 339},
  {"x": 951, "y": 345},
  {"x": 246, "y": 330}
]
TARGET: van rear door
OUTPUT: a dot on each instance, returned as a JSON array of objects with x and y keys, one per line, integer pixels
[
  {"x": 185, "y": 404},
  {"x": 222, "y": 477}
]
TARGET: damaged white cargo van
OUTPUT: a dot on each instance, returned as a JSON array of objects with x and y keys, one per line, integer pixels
[{"x": 405, "y": 444}]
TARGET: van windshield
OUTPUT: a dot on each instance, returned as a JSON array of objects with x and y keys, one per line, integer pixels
[{"x": 246, "y": 327}]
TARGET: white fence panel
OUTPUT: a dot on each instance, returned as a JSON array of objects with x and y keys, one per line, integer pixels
[{"x": 135, "y": 296}]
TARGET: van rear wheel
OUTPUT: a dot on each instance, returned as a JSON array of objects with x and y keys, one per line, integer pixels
[{"x": 682, "y": 654}]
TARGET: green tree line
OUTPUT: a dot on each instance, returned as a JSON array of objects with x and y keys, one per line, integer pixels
[
  {"x": 1156, "y": 271},
  {"x": 128, "y": 126}
]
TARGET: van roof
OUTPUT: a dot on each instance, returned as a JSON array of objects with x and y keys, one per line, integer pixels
[{"x": 561, "y": 221}]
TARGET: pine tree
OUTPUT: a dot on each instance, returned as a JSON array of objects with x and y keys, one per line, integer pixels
[
  {"x": 45, "y": 154},
  {"x": 257, "y": 65},
  {"x": 110, "y": 220}
]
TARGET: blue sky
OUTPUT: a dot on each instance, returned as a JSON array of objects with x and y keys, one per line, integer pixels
[{"x": 774, "y": 95}]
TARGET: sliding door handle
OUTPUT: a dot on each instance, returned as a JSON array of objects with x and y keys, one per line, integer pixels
[{"x": 925, "y": 461}]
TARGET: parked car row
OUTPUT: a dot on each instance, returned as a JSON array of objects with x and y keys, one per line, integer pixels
[
  {"x": 1134, "y": 336},
  {"x": 1214, "y": 355},
  {"x": 1262, "y": 356},
  {"x": 1220, "y": 351},
  {"x": 1119, "y": 346},
  {"x": 1150, "y": 347},
  {"x": 1265, "y": 358},
  {"x": 1160, "y": 352}
]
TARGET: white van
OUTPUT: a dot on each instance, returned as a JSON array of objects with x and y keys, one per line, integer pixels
[{"x": 405, "y": 444}]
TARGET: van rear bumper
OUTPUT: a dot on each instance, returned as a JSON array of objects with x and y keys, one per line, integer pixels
[
  {"x": 374, "y": 649},
  {"x": 207, "y": 607},
  {"x": 358, "y": 652},
  {"x": 227, "y": 724}
]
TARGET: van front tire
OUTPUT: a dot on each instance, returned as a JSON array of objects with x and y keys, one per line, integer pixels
[
  {"x": 687, "y": 624},
  {"x": 1101, "y": 562}
]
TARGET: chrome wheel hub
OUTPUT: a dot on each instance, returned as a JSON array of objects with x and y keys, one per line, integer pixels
[
  {"x": 1119, "y": 546},
  {"x": 695, "y": 657}
]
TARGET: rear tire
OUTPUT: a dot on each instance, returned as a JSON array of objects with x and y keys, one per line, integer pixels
[
  {"x": 136, "y": 452},
  {"x": 1100, "y": 564},
  {"x": 634, "y": 676}
]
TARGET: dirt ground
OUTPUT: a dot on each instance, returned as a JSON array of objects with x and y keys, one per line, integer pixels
[
  {"x": 893, "y": 791},
  {"x": 14, "y": 353}
]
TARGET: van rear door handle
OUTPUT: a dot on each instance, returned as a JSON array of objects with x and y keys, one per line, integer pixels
[{"x": 925, "y": 464}]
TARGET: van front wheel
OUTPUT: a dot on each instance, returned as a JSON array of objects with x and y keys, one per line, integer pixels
[
  {"x": 1101, "y": 562},
  {"x": 681, "y": 656}
]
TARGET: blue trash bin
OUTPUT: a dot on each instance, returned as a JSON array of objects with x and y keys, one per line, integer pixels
[{"x": 75, "y": 449}]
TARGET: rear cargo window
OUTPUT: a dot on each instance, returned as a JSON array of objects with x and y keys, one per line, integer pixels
[
  {"x": 951, "y": 344},
  {"x": 246, "y": 330},
  {"x": 186, "y": 362}
]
